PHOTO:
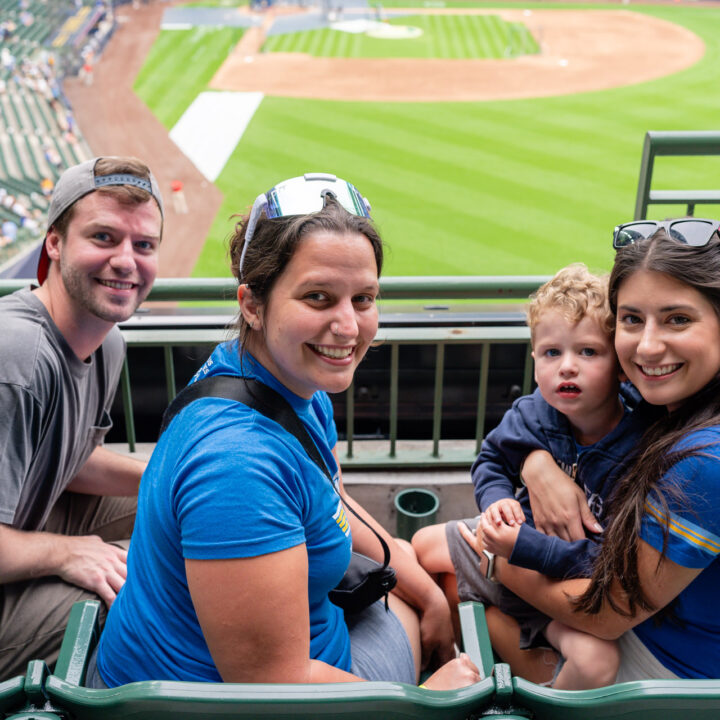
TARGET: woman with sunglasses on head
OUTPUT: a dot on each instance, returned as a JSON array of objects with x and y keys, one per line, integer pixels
[
  {"x": 240, "y": 535},
  {"x": 657, "y": 575}
]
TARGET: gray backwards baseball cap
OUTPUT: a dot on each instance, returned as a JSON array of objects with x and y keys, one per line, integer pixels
[{"x": 80, "y": 180}]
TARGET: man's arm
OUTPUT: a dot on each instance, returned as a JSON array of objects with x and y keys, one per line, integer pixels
[
  {"x": 85, "y": 561},
  {"x": 108, "y": 473}
]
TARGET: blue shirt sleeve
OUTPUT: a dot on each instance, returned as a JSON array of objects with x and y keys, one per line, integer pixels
[
  {"x": 239, "y": 493},
  {"x": 496, "y": 471},
  {"x": 692, "y": 492},
  {"x": 552, "y": 555}
]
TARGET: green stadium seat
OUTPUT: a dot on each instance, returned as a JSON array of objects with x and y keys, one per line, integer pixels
[
  {"x": 640, "y": 700},
  {"x": 12, "y": 695},
  {"x": 162, "y": 700}
]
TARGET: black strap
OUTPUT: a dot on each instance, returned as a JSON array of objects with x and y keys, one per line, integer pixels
[{"x": 270, "y": 403}]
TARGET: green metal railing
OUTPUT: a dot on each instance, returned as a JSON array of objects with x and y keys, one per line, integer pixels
[
  {"x": 674, "y": 144},
  {"x": 359, "y": 452}
]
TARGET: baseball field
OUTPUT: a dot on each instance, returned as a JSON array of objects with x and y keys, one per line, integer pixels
[{"x": 513, "y": 186}]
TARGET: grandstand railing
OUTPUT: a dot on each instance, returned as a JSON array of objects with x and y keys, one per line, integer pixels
[
  {"x": 357, "y": 452},
  {"x": 674, "y": 143}
]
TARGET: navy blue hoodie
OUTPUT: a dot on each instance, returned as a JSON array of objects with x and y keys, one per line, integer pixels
[{"x": 532, "y": 424}]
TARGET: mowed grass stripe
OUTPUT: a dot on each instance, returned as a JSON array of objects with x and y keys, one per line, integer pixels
[
  {"x": 444, "y": 37},
  {"x": 196, "y": 54},
  {"x": 478, "y": 190},
  {"x": 513, "y": 187}
]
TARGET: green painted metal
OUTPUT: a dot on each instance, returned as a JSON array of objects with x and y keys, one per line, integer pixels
[
  {"x": 394, "y": 381},
  {"x": 674, "y": 143},
  {"x": 395, "y": 337},
  {"x": 350, "y": 419},
  {"x": 529, "y": 368},
  {"x": 81, "y": 635},
  {"x": 476, "y": 637},
  {"x": 639, "y": 700},
  {"x": 437, "y": 400},
  {"x": 37, "y": 672},
  {"x": 169, "y": 373},
  {"x": 156, "y": 700},
  {"x": 498, "y": 695},
  {"x": 416, "y": 288},
  {"x": 11, "y": 694},
  {"x": 482, "y": 396},
  {"x": 492, "y": 287},
  {"x": 126, "y": 391}
]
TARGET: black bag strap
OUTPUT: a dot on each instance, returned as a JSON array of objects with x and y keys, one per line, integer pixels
[{"x": 270, "y": 403}]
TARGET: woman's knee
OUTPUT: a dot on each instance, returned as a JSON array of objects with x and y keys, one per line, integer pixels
[{"x": 431, "y": 547}]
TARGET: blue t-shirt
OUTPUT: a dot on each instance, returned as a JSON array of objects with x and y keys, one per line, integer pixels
[
  {"x": 226, "y": 482},
  {"x": 689, "y": 643}
]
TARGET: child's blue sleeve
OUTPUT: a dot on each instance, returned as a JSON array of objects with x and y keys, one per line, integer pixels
[
  {"x": 553, "y": 556},
  {"x": 496, "y": 471}
]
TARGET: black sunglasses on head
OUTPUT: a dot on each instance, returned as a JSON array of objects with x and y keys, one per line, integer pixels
[{"x": 691, "y": 231}]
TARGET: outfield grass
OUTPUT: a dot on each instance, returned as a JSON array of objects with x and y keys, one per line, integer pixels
[
  {"x": 179, "y": 67},
  {"x": 455, "y": 37},
  {"x": 512, "y": 187}
]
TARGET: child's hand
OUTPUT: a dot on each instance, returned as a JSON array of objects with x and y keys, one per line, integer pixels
[
  {"x": 474, "y": 538},
  {"x": 507, "y": 510},
  {"x": 500, "y": 538}
]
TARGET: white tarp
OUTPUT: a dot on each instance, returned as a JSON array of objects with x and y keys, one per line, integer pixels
[{"x": 212, "y": 126}]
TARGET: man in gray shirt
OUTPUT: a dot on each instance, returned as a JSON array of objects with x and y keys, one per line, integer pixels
[{"x": 66, "y": 502}]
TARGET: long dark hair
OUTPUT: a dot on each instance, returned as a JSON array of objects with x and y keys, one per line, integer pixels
[{"x": 699, "y": 268}]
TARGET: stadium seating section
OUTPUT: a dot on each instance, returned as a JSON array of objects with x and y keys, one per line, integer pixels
[
  {"x": 38, "y": 135},
  {"x": 61, "y": 695}
]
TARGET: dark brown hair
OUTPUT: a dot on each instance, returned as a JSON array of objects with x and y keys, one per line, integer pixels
[
  {"x": 699, "y": 268},
  {"x": 275, "y": 240}
]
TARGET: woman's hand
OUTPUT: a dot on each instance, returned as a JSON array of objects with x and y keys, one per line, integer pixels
[
  {"x": 559, "y": 506},
  {"x": 457, "y": 673}
]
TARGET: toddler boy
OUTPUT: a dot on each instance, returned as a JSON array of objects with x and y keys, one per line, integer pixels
[{"x": 589, "y": 423}]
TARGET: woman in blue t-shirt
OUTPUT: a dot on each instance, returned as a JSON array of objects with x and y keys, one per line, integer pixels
[
  {"x": 656, "y": 579},
  {"x": 239, "y": 535}
]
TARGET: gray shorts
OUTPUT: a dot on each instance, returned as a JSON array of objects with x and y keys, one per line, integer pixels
[
  {"x": 379, "y": 645},
  {"x": 638, "y": 663},
  {"x": 473, "y": 585}
]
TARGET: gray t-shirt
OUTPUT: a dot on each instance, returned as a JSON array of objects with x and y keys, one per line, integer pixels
[{"x": 54, "y": 408}]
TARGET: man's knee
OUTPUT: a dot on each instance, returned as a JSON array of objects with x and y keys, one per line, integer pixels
[{"x": 33, "y": 620}]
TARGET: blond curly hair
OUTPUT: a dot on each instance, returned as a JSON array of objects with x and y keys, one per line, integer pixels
[{"x": 575, "y": 293}]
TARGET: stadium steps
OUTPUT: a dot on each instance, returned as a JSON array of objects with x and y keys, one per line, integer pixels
[
  {"x": 31, "y": 108},
  {"x": 7, "y": 124},
  {"x": 25, "y": 121},
  {"x": 21, "y": 172},
  {"x": 42, "y": 109},
  {"x": 23, "y": 156},
  {"x": 9, "y": 160},
  {"x": 66, "y": 153},
  {"x": 45, "y": 109},
  {"x": 35, "y": 171},
  {"x": 8, "y": 111},
  {"x": 38, "y": 155}
]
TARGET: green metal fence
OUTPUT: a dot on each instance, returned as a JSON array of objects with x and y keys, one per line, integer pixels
[
  {"x": 393, "y": 452},
  {"x": 674, "y": 143}
]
